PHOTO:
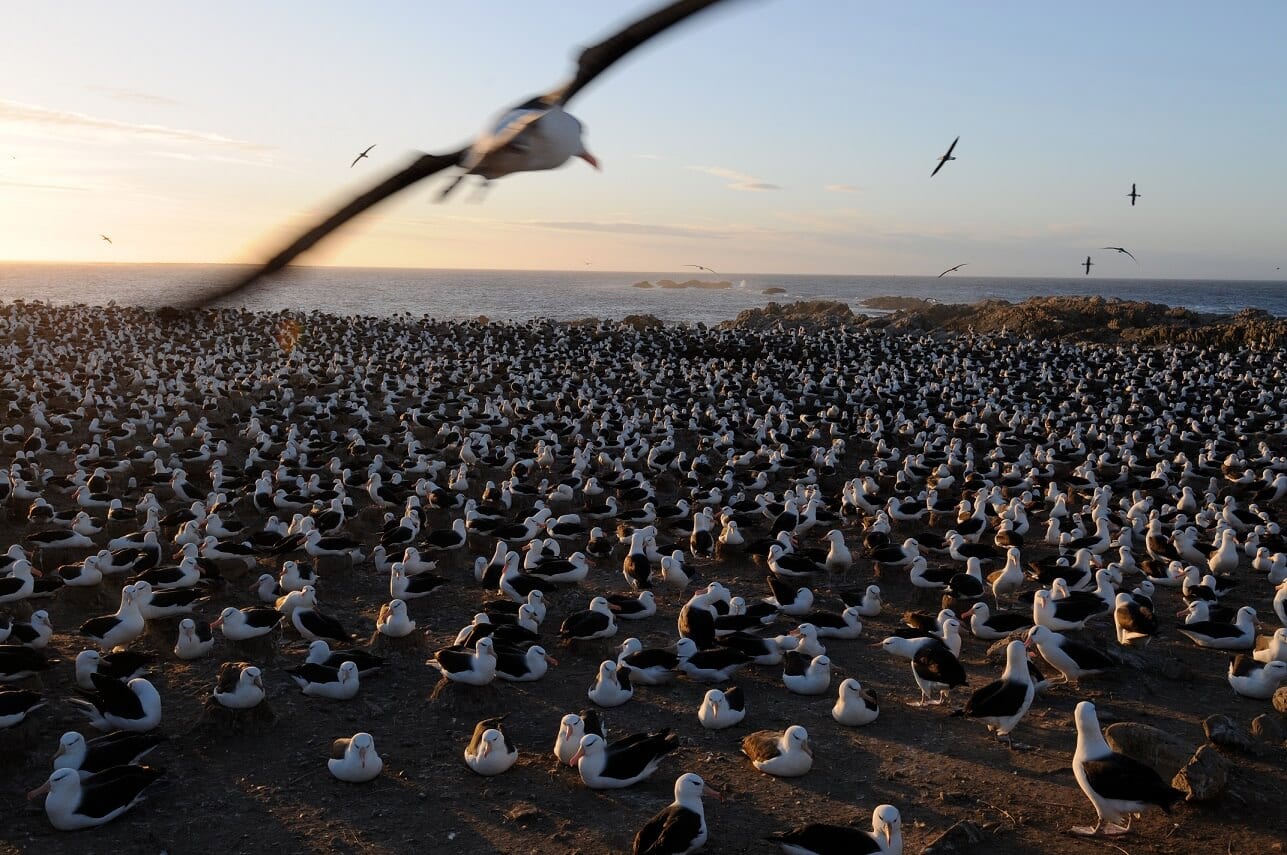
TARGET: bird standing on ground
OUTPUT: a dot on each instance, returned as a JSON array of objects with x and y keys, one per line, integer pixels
[{"x": 1116, "y": 785}]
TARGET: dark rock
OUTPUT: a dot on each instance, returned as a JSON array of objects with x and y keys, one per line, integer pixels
[
  {"x": 1269, "y": 728},
  {"x": 1174, "y": 670},
  {"x": 962, "y": 838},
  {"x": 642, "y": 322},
  {"x": 1227, "y": 733},
  {"x": 810, "y": 314},
  {"x": 774, "y": 291},
  {"x": 1205, "y": 777},
  {"x": 1153, "y": 747}
]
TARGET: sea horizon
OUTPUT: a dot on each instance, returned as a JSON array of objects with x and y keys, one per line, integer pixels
[{"x": 512, "y": 294}]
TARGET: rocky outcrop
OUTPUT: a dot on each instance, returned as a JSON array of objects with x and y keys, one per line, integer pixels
[
  {"x": 722, "y": 285},
  {"x": 810, "y": 314},
  {"x": 1096, "y": 319},
  {"x": 642, "y": 322}
]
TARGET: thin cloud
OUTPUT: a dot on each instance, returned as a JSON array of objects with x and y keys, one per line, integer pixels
[
  {"x": 649, "y": 157},
  {"x": 33, "y": 185},
  {"x": 649, "y": 229},
  {"x": 736, "y": 180},
  {"x": 133, "y": 95},
  {"x": 14, "y": 112},
  {"x": 842, "y": 188}
]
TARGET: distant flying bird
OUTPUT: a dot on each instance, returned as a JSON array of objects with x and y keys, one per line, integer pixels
[
  {"x": 535, "y": 135},
  {"x": 946, "y": 157},
  {"x": 1087, "y": 265},
  {"x": 364, "y": 153},
  {"x": 1123, "y": 250},
  {"x": 950, "y": 269},
  {"x": 106, "y": 238},
  {"x": 1133, "y": 195},
  {"x": 699, "y": 267}
]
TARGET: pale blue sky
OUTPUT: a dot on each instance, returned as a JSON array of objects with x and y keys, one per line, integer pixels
[{"x": 203, "y": 132}]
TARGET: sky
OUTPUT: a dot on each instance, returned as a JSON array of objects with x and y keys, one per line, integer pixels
[{"x": 764, "y": 136}]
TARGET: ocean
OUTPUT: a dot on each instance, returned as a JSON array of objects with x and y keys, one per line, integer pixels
[{"x": 568, "y": 295}]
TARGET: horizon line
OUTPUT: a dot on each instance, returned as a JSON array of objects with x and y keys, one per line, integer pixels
[{"x": 101, "y": 263}]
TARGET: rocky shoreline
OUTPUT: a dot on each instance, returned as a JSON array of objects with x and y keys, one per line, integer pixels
[{"x": 1088, "y": 319}]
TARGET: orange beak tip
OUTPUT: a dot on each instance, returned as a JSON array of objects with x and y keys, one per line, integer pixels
[{"x": 590, "y": 159}]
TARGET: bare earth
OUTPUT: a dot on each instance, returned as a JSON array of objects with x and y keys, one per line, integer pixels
[{"x": 266, "y": 791}]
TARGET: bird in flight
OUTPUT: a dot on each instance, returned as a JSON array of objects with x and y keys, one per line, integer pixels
[
  {"x": 1123, "y": 250},
  {"x": 1087, "y": 264},
  {"x": 946, "y": 157},
  {"x": 106, "y": 238},
  {"x": 364, "y": 153},
  {"x": 537, "y": 134},
  {"x": 699, "y": 267},
  {"x": 950, "y": 269},
  {"x": 1133, "y": 195}
]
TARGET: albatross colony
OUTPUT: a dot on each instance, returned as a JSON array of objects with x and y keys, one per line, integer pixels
[{"x": 541, "y": 499}]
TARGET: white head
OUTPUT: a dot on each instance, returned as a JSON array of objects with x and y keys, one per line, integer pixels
[
  {"x": 362, "y": 744},
  {"x": 796, "y": 737}
]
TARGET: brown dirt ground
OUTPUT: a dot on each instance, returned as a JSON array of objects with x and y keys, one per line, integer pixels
[{"x": 271, "y": 790}]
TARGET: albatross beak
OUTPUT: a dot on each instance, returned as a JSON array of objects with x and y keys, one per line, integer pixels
[
  {"x": 590, "y": 159},
  {"x": 551, "y": 660},
  {"x": 576, "y": 757},
  {"x": 712, "y": 793},
  {"x": 38, "y": 792}
]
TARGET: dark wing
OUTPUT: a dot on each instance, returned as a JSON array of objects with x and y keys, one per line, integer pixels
[
  {"x": 311, "y": 672},
  {"x": 935, "y": 662},
  {"x": 419, "y": 169},
  {"x": 627, "y": 758},
  {"x": 794, "y": 663},
  {"x": 817, "y": 837},
  {"x": 952, "y": 147},
  {"x": 996, "y": 700},
  {"x": 593, "y": 724},
  {"x": 669, "y": 832},
  {"x": 115, "y": 697},
  {"x": 338, "y": 747},
  {"x": 597, "y": 59},
  {"x": 1122, "y": 778},
  {"x": 950, "y": 269},
  {"x": 115, "y": 788},
  {"x": 733, "y": 695}
]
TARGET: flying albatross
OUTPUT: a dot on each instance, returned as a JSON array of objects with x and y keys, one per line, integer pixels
[
  {"x": 1123, "y": 250},
  {"x": 366, "y": 152},
  {"x": 946, "y": 157},
  {"x": 700, "y": 267},
  {"x": 950, "y": 269},
  {"x": 534, "y": 135}
]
